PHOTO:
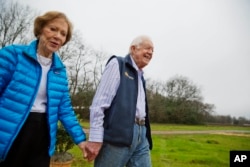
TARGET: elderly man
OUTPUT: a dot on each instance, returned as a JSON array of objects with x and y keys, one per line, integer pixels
[{"x": 119, "y": 124}]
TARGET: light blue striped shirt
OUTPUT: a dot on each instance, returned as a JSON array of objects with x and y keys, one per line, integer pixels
[{"x": 105, "y": 93}]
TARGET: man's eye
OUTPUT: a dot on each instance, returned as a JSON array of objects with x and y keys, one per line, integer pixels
[{"x": 150, "y": 49}]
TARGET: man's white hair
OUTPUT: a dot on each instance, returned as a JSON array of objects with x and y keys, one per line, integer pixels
[{"x": 138, "y": 41}]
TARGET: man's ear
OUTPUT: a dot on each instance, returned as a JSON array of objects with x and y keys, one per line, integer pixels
[{"x": 132, "y": 48}]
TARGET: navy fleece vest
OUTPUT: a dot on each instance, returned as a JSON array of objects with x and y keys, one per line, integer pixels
[{"x": 120, "y": 117}]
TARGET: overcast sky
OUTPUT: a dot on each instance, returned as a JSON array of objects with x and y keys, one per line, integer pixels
[{"x": 207, "y": 41}]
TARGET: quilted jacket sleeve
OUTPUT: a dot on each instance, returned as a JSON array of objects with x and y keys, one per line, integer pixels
[{"x": 68, "y": 118}]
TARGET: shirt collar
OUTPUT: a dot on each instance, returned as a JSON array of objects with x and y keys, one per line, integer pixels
[{"x": 136, "y": 67}]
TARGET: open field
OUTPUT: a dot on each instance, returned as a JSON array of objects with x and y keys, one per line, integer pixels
[{"x": 190, "y": 146}]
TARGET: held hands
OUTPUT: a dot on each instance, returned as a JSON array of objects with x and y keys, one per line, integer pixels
[{"x": 91, "y": 150}]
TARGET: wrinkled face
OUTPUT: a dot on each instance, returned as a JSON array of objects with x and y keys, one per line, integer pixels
[
  {"x": 52, "y": 37},
  {"x": 143, "y": 53}
]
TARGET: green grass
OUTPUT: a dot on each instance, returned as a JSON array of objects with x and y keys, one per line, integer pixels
[
  {"x": 201, "y": 150},
  {"x": 198, "y": 150}
]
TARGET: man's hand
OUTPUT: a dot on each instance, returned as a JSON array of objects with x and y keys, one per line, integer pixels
[{"x": 92, "y": 149}]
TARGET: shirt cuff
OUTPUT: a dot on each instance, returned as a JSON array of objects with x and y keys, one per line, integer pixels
[{"x": 96, "y": 134}]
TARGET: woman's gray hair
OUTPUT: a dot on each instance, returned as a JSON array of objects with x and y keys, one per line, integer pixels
[{"x": 138, "y": 41}]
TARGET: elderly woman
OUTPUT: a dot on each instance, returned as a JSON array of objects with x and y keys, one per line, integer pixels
[{"x": 34, "y": 95}]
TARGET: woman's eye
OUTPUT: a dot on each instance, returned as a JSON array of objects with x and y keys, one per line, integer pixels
[
  {"x": 52, "y": 29},
  {"x": 63, "y": 34}
]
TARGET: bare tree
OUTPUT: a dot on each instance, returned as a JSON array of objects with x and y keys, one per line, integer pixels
[
  {"x": 181, "y": 88},
  {"x": 185, "y": 102},
  {"x": 84, "y": 67},
  {"x": 156, "y": 100},
  {"x": 98, "y": 66},
  {"x": 177, "y": 101},
  {"x": 75, "y": 56},
  {"x": 15, "y": 23}
]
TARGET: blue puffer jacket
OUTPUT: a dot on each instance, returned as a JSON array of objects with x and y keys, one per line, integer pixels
[{"x": 20, "y": 76}]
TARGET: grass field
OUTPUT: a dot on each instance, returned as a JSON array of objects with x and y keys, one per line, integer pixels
[{"x": 189, "y": 150}]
